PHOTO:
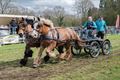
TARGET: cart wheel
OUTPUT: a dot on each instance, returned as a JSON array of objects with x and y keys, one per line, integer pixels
[
  {"x": 95, "y": 49},
  {"x": 106, "y": 47},
  {"x": 76, "y": 51},
  {"x": 86, "y": 50}
]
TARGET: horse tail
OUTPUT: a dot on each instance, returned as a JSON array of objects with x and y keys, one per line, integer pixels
[
  {"x": 75, "y": 37},
  {"x": 79, "y": 41}
]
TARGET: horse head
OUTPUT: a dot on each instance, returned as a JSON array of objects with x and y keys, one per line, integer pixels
[
  {"x": 21, "y": 26},
  {"x": 26, "y": 26},
  {"x": 44, "y": 25}
]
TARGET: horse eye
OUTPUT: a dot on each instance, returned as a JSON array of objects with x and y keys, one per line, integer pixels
[{"x": 38, "y": 26}]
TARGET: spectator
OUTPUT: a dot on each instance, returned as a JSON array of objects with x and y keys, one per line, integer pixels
[
  {"x": 13, "y": 26},
  {"x": 101, "y": 27}
]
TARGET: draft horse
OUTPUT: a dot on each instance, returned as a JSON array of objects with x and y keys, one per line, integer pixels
[
  {"x": 26, "y": 29},
  {"x": 52, "y": 37},
  {"x": 32, "y": 38}
]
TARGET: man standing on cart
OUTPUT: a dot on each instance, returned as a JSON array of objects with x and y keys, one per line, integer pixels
[{"x": 101, "y": 27}]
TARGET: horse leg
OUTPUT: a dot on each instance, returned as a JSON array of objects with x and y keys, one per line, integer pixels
[
  {"x": 60, "y": 50},
  {"x": 50, "y": 48},
  {"x": 38, "y": 60},
  {"x": 28, "y": 53},
  {"x": 68, "y": 53},
  {"x": 62, "y": 53},
  {"x": 46, "y": 58}
]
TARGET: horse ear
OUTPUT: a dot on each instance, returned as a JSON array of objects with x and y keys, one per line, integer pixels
[
  {"x": 34, "y": 18},
  {"x": 38, "y": 18},
  {"x": 22, "y": 18}
]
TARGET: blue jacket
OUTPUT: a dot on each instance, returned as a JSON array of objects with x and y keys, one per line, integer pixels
[
  {"x": 101, "y": 25},
  {"x": 89, "y": 24},
  {"x": 13, "y": 23}
]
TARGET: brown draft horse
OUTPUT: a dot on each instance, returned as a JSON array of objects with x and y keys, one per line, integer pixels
[
  {"x": 25, "y": 28},
  {"x": 31, "y": 38},
  {"x": 53, "y": 37}
]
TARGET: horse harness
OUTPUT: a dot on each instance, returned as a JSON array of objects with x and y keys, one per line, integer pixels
[{"x": 53, "y": 34}]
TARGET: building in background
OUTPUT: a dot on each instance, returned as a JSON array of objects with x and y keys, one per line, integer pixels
[
  {"x": 5, "y": 37},
  {"x": 5, "y": 19}
]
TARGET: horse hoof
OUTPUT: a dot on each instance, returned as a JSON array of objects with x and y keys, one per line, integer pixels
[
  {"x": 62, "y": 61},
  {"x": 53, "y": 55},
  {"x": 35, "y": 65},
  {"x": 29, "y": 53},
  {"x": 46, "y": 58},
  {"x": 68, "y": 59},
  {"x": 23, "y": 62}
]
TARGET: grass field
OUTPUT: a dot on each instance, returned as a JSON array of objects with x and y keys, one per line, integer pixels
[{"x": 80, "y": 68}]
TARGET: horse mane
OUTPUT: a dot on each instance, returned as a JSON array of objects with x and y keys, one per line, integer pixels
[{"x": 46, "y": 22}]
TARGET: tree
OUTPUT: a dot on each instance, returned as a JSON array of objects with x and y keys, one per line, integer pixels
[
  {"x": 117, "y": 6},
  {"x": 101, "y": 5},
  {"x": 71, "y": 21},
  {"x": 109, "y": 9},
  {"x": 94, "y": 12},
  {"x": 4, "y": 5},
  {"x": 26, "y": 11},
  {"x": 82, "y": 7},
  {"x": 59, "y": 13},
  {"x": 48, "y": 13}
]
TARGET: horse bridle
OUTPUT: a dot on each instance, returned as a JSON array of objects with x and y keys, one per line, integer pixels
[{"x": 26, "y": 22}]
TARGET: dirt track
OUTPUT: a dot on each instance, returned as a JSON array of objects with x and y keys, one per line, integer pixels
[{"x": 9, "y": 71}]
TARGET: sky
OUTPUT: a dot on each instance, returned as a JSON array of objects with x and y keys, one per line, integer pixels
[{"x": 37, "y": 5}]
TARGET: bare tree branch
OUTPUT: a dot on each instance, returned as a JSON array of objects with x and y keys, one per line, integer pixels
[
  {"x": 59, "y": 14},
  {"x": 82, "y": 7},
  {"x": 4, "y": 5}
]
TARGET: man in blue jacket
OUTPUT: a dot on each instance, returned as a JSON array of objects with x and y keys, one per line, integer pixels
[{"x": 101, "y": 27}]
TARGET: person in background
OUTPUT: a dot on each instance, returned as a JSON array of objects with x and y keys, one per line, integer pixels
[
  {"x": 101, "y": 27},
  {"x": 13, "y": 26}
]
